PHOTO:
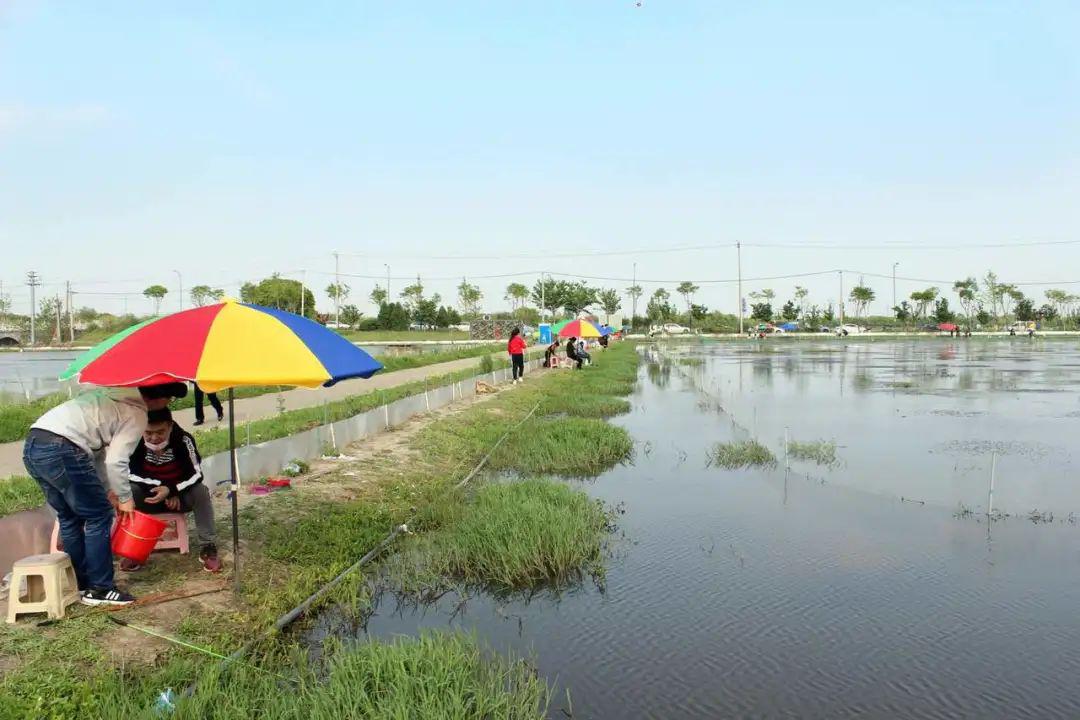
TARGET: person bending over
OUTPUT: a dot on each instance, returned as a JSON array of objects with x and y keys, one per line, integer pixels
[
  {"x": 166, "y": 476},
  {"x": 551, "y": 351},
  {"x": 71, "y": 451}
]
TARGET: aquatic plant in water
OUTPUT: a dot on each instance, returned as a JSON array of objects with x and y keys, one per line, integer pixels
[
  {"x": 822, "y": 452},
  {"x": 735, "y": 455}
]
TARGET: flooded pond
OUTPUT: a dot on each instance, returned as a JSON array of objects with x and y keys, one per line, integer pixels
[{"x": 816, "y": 591}]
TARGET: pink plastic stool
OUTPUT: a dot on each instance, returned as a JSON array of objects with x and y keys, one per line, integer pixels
[{"x": 176, "y": 535}]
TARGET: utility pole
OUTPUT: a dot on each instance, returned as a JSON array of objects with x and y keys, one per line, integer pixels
[
  {"x": 303, "y": 278},
  {"x": 33, "y": 280},
  {"x": 180, "y": 280},
  {"x": 841, "y": 272},
  {"x": 543, "y": 296},
  {"x": 387, "y": 284},
  {"x": 894, "y": 283},
  {"x": 633, "y": 300},
  {"x": 59, "y": 310},
  {"x": 738, "y": 250},
  {"x": 337, "y": 289},
  {"x": 71, "y": 324}
]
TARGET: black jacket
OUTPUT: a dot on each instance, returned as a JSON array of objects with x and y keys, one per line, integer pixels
[{"x": 178, "y": 466}]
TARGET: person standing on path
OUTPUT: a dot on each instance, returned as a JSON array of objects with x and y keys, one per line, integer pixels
[
  {"x": 71, "y": 451},
  {"x": 200, "y": 418},
  {"x": 516, "y": 348}
]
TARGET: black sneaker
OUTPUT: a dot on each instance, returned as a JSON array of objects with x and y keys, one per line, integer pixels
[
  {"x": 198, "y": 422},
  {"x": 220, "y": 417},
  {"x": 209, "y": 557},
  {"x": 111, "y": 596}
]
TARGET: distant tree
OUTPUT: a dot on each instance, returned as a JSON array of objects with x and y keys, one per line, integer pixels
[
  {"x": 801, "y": 294},
  {"x": 516, "y": 295},
  {"x": 426, "y": 312},
  {"x": 413, "y": 295},
  {"x": 350, "y": 315},
  {"x": 446, "y": 316},
  {"x": 687, "y": 290},
  {"x": 469, "y": 297},
  {"x": 861, "y": 296},
  {"x": 50, "y": 311},
  {"x": 156, "y": 293},
  {"x": 5, "y": 305},
  {"x": 378, "y": 296},
  {"x": 659, "y": 309},
  {"x": 968, "y": 292},
  {"x": 764, "y": 295},
  {"x": 991, "y": 293},
  {"x": 922, "y": 299},
  {"x": 204, "y": 294},
  {"x": 610, "y": 301},
  {"x": 338, "y": 292},
  {"x": 1025, "y": 309},
  {"x": 1047, "y": 312},
  {"x": 548, "y": 294},
  {"x": 790, "y": 311},
  {"x": 1059, "y": 301},
  {"x": 942, "y": 313},
  {"x": 579, "y": 297},
  {"x": 982, "y": 317},
  {"x": 1010, "y": 295},
  {"x": 828, "y": 315},
  {"x": 699, "y": 312},
  {"x": 761, "y": 311},
  {"x": 393, "y": 316},
  {"x": 903, "y": 311},
  {"x": 279, "y": 293}
]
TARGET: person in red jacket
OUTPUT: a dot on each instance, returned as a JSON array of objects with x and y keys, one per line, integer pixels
[{"x": 516, "y": 348}]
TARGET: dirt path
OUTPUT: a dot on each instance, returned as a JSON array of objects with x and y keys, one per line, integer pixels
[{"x": 267, "y": 405}]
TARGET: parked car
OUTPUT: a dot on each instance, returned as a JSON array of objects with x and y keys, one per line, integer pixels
[
  {"x": 669, "y": 329},
  {"x": 850, "y": 330}
]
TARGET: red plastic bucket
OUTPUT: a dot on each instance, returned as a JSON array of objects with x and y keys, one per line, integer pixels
[{"x": 136, "y": 535}]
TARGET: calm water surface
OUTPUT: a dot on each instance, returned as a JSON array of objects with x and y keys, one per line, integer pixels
[{"x": 816, "y": 592}]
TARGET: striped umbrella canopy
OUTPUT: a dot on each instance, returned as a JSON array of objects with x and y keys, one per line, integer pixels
[
  {"x": 220, "y": 347},
  {"x": 579, "y": 328},
  {"x": 224, "y": 346}
]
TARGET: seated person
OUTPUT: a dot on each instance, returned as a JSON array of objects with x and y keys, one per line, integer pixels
[
  {"x": 582, "y": 354},
  {"x": 166, "y": 477},
  {"x": 552, "y": 349}
]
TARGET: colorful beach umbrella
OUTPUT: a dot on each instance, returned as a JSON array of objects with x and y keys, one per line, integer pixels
[
  {"x": 579, "y": 328},
  {"x": 224, "y": 346},
  {"x": 221, "y": 347}
]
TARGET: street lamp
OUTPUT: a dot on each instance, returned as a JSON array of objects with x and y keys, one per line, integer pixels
[
  {"x": 894, "y": 283},
  {"x": 387, "y": 282},
  {"x": 180, "y": 279}
]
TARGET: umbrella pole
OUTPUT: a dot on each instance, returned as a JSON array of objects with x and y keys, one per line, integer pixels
[{"x": 235, "y": 492}]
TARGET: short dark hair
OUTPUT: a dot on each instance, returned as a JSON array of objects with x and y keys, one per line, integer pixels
[
  {"x": 156, "y": 417},
  {"x": 165, "y": 390}
]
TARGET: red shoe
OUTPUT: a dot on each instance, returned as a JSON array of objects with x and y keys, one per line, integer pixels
[{"x": 210, "y": 560}]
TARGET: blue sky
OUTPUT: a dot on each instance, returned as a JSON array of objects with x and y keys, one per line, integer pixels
[{"x": 228, "y": 141}]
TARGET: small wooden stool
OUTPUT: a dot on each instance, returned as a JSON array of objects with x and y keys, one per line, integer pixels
[
  {"x": 50, "y": 586},
  {"x": 176, "y": 535}
]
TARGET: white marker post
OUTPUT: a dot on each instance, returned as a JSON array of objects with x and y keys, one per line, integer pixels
[{"x": 993, "y": 473}]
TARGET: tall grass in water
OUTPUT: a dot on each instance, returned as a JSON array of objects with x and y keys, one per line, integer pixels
[
  {"x": 735, "y": 455},
  {"x": 567, "y": 446},
  {"x": 822, "y": 452},
  {"x": 512, "y": 536},
  {"x": 434, "y": 676}
]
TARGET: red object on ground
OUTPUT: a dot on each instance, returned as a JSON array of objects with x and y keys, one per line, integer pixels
[
  {"x": 136, "y": 535},
  {"x": 279, "y": 482},
  {"x": 259, "y": 490},
  {"x": 947, "y": 327}
]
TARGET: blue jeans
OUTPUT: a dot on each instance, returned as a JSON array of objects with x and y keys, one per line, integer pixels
[{"x": 72, "y": 488}]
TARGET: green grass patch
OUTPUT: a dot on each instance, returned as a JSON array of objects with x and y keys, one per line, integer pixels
[
  {"x": 511, "y": 536},
  {"x": 567, "y": 446},
  {"x": 19, "y": 492},
  {"x": 735, "y": 455},
  {"x": 588, "y": 406},
  {"x": 822, "y": 452},
  {"x": 438, "y": 675}
]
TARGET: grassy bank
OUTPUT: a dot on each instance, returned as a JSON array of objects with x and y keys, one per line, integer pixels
[
  {"x": 16, "y": 417},
  {"x": 17, "y": 493},
  {"x": 298, "y": 540}
]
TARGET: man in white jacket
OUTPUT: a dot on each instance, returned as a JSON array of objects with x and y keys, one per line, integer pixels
[{"x": 60, "y": 453}]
